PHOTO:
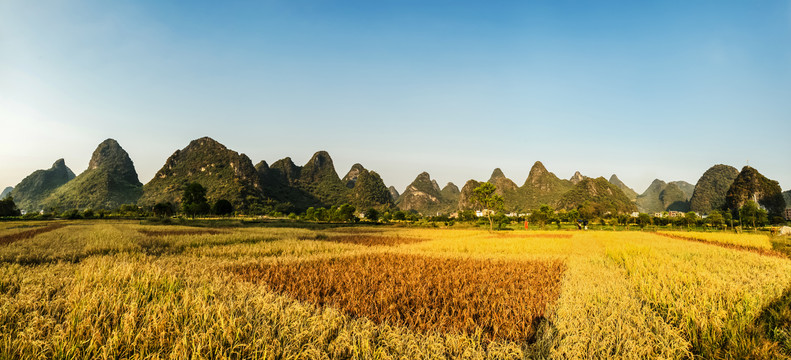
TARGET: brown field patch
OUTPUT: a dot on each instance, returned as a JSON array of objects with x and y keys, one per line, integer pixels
[
  {"x": 7, "y": 239},
  {"x": 532, "y": 236},
  {"x": 178, "y": 232},
  {"x": 371, "y": 240},
  {"x": 353, "y": 230},
  {"x": 503, "y": 300}
]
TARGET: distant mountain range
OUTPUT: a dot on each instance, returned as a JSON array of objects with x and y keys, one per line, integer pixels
[{"x": 111, "y": 180}]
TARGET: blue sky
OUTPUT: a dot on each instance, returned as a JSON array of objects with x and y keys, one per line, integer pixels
[{"x": 661, "y": 90}]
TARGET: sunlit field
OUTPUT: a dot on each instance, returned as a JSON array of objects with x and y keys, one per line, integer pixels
[{"x": 103, "y": 289}]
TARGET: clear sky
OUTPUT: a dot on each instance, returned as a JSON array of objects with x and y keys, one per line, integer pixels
[{"x": 644, "y": 90}]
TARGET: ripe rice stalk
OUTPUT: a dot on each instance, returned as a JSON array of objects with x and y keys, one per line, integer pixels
[
  {"x": 753, "y": 241},
  {"x": 501, "y": 300},
  {"x": 371, "y": 240}
]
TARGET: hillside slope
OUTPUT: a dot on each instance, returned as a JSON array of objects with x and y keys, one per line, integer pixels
[
  {"x": 224, "y": 173},
  {"x": 109, "y": 182},
  {"x": 712, "y": 187},
  {"x": 31, "y": 192}
]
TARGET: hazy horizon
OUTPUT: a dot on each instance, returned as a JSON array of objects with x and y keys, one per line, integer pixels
[{"x": 455, "y": 89}]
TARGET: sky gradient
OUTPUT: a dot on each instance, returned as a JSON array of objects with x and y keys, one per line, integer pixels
[{"x": 662, "y": 90}]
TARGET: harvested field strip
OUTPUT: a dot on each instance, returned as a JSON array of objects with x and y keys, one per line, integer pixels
[
  {"x": 176, "y": 232},
  {"x": 502, "y": 300},
  {"x": 369, "y": 240},
  {"x": 533, "y": 236},
  {"x": 756, "y": 250},
  {"x": 7, "y": 239},
  {"x": 352, "y": 230}
]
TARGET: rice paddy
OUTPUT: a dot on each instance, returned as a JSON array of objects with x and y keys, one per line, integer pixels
[{"x": 85, "y": 289}]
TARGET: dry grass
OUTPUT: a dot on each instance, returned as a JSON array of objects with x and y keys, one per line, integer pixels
[
  {"x": 372, "y": 240},
  {"x": 27, "y": 234},
  {"x": 503, "y": 300},
  {"x": 533, "y": 236},
  {"x": 357, "y": 230},
  {"x": 180, "y": 232}
]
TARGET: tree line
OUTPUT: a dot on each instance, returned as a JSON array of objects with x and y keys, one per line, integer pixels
[{"x": 195, "y": 204}]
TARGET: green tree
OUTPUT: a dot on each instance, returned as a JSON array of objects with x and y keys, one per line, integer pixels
[
  {"x": 484, "y": 196},
  {"x": 222, "y": 207},
  {"x": 163, "y": 210},
  {"x": 8, "y": 207},
  {"x": 310, "y": 213},
  {"x": 715, "y": 218},
  {"x": 193, "y": 200},
  {"x": 399, "y": 215},
  {"x": 322, "y": 214},
  {"x": 643, "y": 220},
  {"x": 690, "y": 218},
  {"x": 345, "y": 213},
  {"x": 751, "y": 214},
  {"x": 545, "y": 214},
  {"x": 372, "y": 214},
  {"x": 467, "y": 215}
]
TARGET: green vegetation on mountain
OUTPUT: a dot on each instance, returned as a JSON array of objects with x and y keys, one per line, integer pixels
[
  {"x": 751, "y": 185},
  {"x": 351, "y": 177},
  {"x": 31, "y": 192},
  {"x": 279, "y": 185},
  {"x": 649, "y": 201},
  {"x": 541, "y": 187},
  {"x": 661, "y": 196},
  {"x": 369, "y": 191},
  {"x": 109, "y": 182},
  {"x": 673, "y": 198},
  {"x": 711, "y": 189},
  {"x": 629, "y": 192},
  {"x": 467, "y": 195},
  {"x": 685, "y": 187},
  {"x": 449, "y": 197},
  {"x": 508, "y": 190},
  {"x": 424, "y": 196},
  {"x": 394, "y": 195},
  {"x": 599, "y": 194},
  {"x": 787, "y": 198},
  {"x": 318, "y": 177},
  {"x": 544, "y": 188},
  {"x": 316, "y": 184},
  {"x": 224, "y": 173},
  {"x": 577, "y": 177}
]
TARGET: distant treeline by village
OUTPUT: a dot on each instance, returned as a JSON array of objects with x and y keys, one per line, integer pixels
[{"x": 207, "y": 178}]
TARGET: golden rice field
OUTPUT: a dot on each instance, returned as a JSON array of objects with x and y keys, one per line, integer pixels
[
  {"x": 119, "y": 289},
  {"x": 757, "y": 241}
]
